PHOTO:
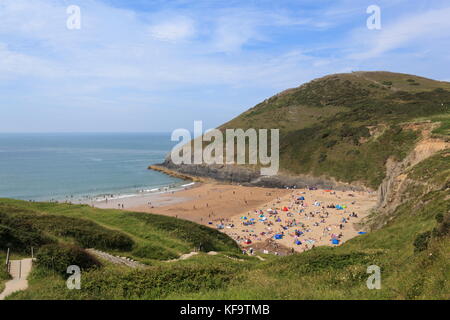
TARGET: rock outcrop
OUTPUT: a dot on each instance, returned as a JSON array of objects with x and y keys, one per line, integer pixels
[{"x": 249, "y": 177}]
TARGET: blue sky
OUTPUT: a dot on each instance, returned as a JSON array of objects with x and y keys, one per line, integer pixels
[{"x": 138, "y": 65}]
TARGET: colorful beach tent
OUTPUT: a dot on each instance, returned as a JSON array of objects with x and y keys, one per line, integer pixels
[
  {"x": 301, "y": 198},
  {"x": 298, "y": 242},
  {"x": 278, "y": 236},
  {"x": 334, "y": 241}
]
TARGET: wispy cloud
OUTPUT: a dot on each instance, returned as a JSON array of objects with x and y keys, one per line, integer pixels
[
  {"x": 424, "y": 29},
  {"x": 159, "y": 60}
]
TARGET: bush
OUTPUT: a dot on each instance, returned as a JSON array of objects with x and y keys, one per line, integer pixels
[
  {"x": 421, "y": 241},
  {"x": 20, "y": 240},
  {"x": 154, "y": 252},
  {"x": 87, "y": 234},
  {"x": 443, "y": 228},
  {"x": 156, "y": 282},
  {"x": 202, "y": 237},
  {"x": 58, "y": 257},
  {"x": 330, "y": 144}
]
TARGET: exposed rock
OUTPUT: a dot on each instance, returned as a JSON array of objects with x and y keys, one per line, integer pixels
[{"x": 249, "y": 177}]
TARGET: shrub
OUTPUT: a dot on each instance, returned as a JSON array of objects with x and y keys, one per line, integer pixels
[
  {"x": 202, "y": 237},
  {"x": 154, "y": 252},
  {"x": 58, "y": 257},
  {"x": 330, "y": 144},
  {"x": 20, "y": 240},
  {"x": 156, "y": 282},
  {"x": 421, "y": 241},
  {"x": 443, "y": 228},
  {"x": 87, "y": 234}
]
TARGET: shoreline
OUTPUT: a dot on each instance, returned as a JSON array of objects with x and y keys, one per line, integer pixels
[
  {"x": 252, "y": 216},
  {"x": 177, "y": 174},
  {"x": 156, "y": 196}
]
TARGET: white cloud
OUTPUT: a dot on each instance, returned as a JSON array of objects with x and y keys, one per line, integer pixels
[
  {"x": 419, "y": 30},
  {"x": 192, "y": 58},
  {"x": 180, "y": 28}
]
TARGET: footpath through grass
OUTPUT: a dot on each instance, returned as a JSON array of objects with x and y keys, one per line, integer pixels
[
  {"x": 140, "y": 236},
  {"x": 411, "y": 249}
]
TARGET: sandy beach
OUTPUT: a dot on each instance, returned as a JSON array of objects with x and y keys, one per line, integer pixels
[{"x": 265, "y": 219}]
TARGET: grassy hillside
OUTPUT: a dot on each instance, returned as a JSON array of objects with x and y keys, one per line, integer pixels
[
  {"x": 344, "y": 126},
  {"x": 143, "y": 237},
  {"x": 347, "y": 125},
  {"x": 412, "y": 250}
]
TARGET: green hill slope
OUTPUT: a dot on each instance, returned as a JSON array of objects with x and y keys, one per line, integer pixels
[
  {"x": 346, "y": 126},
  {"x": 143, "y": 237},
  {"x": 379, "y": 129},
  {"x": 411, "y": 249},
  {"x": 342, "y": 128}
]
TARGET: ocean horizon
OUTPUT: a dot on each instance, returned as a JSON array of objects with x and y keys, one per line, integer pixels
[{"x": 76, "y": 166}]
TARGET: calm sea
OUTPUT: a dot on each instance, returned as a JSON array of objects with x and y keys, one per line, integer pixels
[{"x": 60, "y": 166}]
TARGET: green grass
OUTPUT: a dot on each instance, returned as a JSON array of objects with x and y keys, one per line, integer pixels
[
  {"x": 435, "y": 169},
  {"x": 4, "y": 276},
  {"x": 321, "y": 273},
  {"x": 342, "y": 126},
  {"x": 152, "y": 236}
]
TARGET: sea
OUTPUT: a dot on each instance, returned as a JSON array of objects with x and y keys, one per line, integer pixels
[{"x": 79, "y": 166}]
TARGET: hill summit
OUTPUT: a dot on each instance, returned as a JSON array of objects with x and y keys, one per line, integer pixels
[{"x": 341, "y": 128}]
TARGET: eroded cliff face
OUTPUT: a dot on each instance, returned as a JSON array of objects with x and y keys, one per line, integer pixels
[{"x": 393, "y": 191}]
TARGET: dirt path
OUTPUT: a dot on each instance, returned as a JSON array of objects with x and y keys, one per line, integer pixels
[
  {"x": 115, "y": 259},
  {"x": 19, "y": 270},
  {"x": 134, "y": 264}
]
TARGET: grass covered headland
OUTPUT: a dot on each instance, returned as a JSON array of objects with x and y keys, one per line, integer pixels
[{"x": 376, "y": 129}]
